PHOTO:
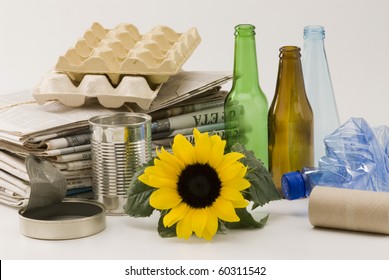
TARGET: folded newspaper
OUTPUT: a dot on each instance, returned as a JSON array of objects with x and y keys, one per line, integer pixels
[{"x": 187, "y": 85}]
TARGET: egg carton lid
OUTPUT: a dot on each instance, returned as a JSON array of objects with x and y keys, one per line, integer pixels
[{"x": 159, "y": 53}]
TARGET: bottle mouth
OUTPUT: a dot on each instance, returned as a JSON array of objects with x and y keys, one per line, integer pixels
[
  {"x": 244, "y": 30},
  {"x": 314, "y": 31},
  {"x": 290, "y": 51}
]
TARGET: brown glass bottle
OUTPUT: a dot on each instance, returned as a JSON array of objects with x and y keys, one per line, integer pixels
[{"x": 290, "y": 119}]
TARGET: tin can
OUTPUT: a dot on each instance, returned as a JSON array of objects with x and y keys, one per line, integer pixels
[{"x": 121, "y": 144}]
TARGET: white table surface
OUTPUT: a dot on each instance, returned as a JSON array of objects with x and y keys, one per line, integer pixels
[{"x": 287, "y": 235}]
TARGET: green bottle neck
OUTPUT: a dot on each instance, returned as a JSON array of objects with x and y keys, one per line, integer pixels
[{"x": 245, "y": 59}]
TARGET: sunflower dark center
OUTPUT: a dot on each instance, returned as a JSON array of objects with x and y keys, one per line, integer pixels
[{"x": 199, "y": 185}]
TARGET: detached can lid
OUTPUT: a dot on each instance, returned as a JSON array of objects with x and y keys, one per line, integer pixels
[
  {"x": 293, "y": 185},
  {"x": 48, "y": 215}
]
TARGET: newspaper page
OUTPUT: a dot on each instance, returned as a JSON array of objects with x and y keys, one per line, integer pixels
[
  {"x": 193, "y": 119},
  {"x": 184, "y": 109},
  {"x": 72, "y": 157},
  {"x": 189, "y": 130},
  {"x": 69, "y": 141},
  {"x": 186, "y": 85},
  {"x": 13, "y": 165},
  {"x": 73, "y": 165},
  {"x": 167, "y": 142},
  {"x": 13, "y": 186},
  {"x": 11, "y": 201},
  {"x": 22, "y": 120}
]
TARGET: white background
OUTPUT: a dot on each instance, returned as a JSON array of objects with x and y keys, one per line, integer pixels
[{"x": 34, "y": 33}]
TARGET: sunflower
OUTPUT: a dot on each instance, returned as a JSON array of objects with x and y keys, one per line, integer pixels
[{"x": 197, "y": 185}]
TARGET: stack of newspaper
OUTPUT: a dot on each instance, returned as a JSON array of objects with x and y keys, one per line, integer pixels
[
  {"x": 60, "y": 134},
  {"x": 54, "y": 132},
  {"x": 188, "y": 106},
  {"x": 206, "y": 116}
]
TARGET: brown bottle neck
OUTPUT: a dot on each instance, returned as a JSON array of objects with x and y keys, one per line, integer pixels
[
  {"x": 290, "y": 81},
  {"x": 290, "y": 52}
]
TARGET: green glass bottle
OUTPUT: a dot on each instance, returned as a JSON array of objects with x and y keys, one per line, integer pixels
[
  {"x": 290, "y": 119},
  {"x": 246, "y": 106}
]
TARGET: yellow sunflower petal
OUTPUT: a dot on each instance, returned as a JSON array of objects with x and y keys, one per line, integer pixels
[
  {"x": 144, "y": 179},
  {"x": 169, "y": 158},
  {"x": 183, "y": 149},
  {"x": 215, "y": 139},
  {"x": 207, "y": 235},
  {"x": 224, "y": 210},
  {"x": 169, "y": 171},
  {"x": 196, "y": 134},
  {"x": 239, "y": 184},
  {"x": 236, "y": 170},
  {"x": 175, "y": 214},
  {"x": 229, "y": 159},
  {"x": 234, "y": 196},
  {"x": 164, "y": 199},
  {"x": 184, "y": 226},
  {"x": 199, "y": 221},
  {"x": 217, "y": 153},
  {"x": 211, "y": 226},
  {"x": 159, "y": 171},
  {"x": 203, "y": 148},
  {"x": 159, "y": 182},
  {"x": 240, "y": 203}
]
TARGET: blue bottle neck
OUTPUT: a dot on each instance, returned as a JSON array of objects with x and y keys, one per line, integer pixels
[{"x": 314, "y": 32}]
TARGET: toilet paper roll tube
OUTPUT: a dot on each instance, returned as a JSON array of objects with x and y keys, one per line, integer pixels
[{"x": 347, "y": 209}]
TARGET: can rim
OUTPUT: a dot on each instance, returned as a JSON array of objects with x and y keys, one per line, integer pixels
[
  {"x": 64, "y": 220},
  {"x": 107, "y": 120}
]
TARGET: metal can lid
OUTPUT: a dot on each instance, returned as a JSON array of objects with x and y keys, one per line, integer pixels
[
  {"x": 48, "y": 215},
  {"x": 73, "y": 218}
]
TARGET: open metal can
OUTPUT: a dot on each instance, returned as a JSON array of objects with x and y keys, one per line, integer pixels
[{"x": 121, "y": 144}]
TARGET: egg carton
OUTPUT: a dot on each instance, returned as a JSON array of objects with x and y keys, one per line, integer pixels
[
  {"x": 58, "y": 86},
  {"x": 122, "y": 50}
]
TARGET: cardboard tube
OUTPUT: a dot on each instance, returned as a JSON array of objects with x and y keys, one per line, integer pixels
[{"x": 355, "y": 210}]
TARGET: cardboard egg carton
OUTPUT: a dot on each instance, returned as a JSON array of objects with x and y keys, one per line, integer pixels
[
  {"x": 58, "y": 86},
  {"x": 122, "y": 51}
]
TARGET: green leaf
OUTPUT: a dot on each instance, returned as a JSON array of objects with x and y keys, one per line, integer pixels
[
  {"x": 221, "y": 228},
  {"x": 262, "y": 188},
  {"x": 246, "y": 220},
  {"x": 138, "y": 196},
  {"x": 166, "y": 231}
]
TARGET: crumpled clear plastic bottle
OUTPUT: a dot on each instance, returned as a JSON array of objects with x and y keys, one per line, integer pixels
[{"x": 357, "y": 157}]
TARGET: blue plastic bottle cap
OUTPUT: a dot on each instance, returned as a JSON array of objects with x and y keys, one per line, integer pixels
[{"x": 293, "y": 186}]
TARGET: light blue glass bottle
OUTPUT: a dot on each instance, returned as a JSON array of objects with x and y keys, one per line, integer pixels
[{"x": 318, "y": 87}]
